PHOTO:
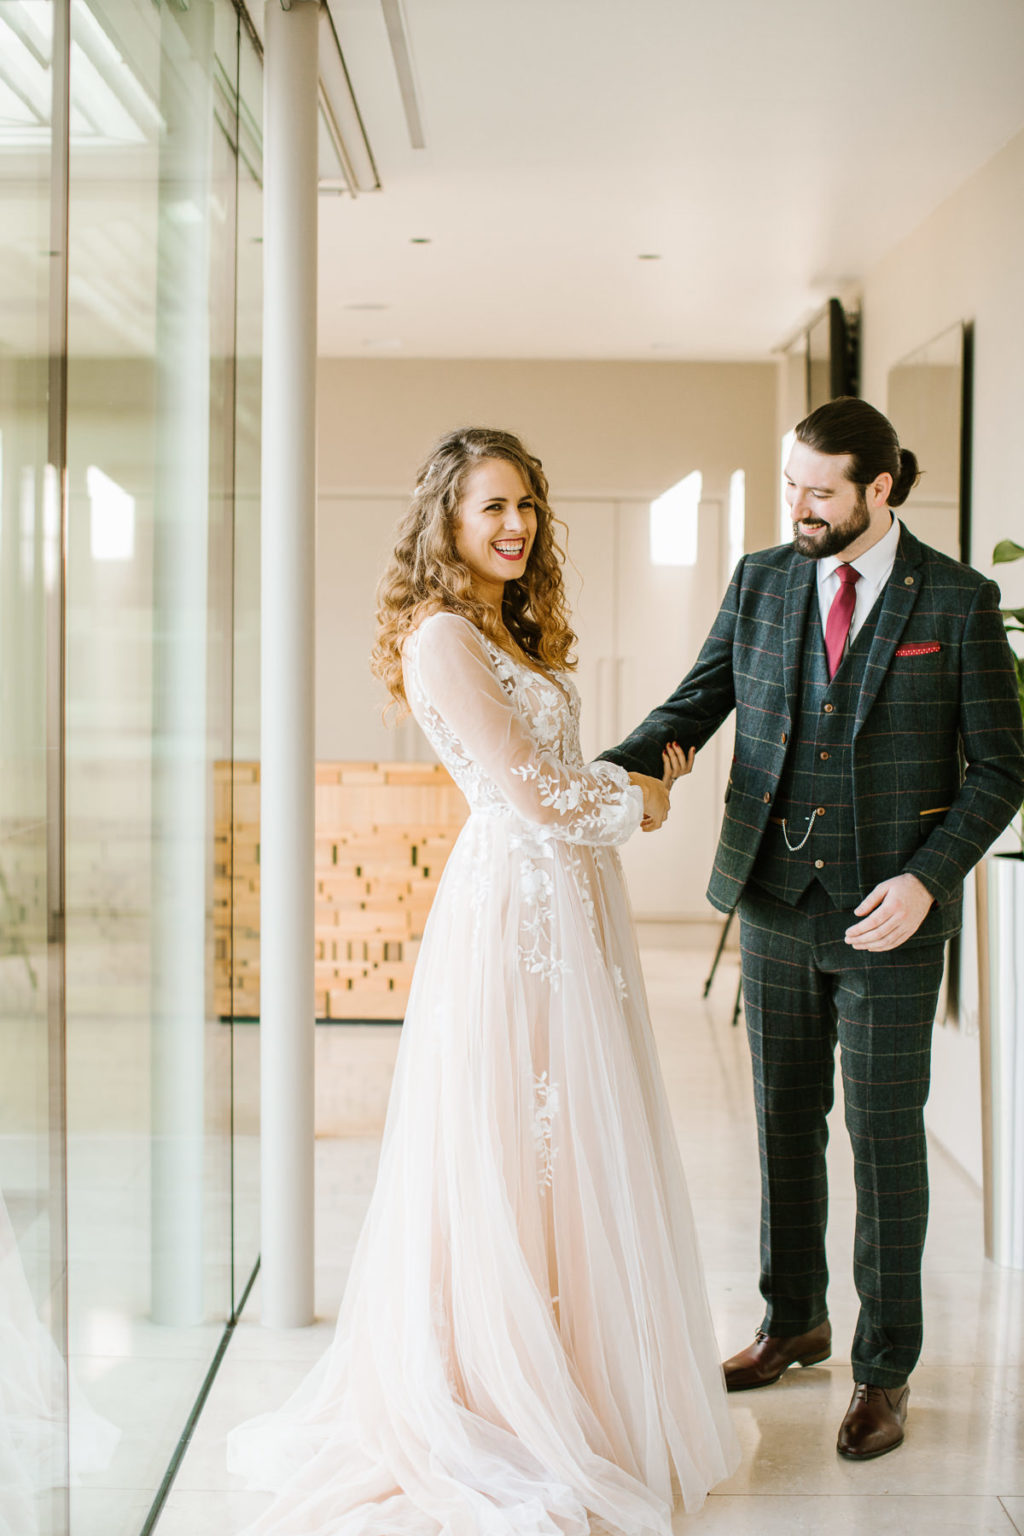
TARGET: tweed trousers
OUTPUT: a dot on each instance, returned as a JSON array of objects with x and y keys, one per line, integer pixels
[{"x": 805, "y": 989}]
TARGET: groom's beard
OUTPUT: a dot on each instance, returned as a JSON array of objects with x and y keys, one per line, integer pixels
[{"x": 839, "y": 535}]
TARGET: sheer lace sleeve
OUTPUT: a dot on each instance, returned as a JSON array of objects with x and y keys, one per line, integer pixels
[{"x": 455, "y": 678}]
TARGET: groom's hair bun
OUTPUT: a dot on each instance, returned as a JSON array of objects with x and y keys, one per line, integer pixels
[{"x": 908, "y": 477}]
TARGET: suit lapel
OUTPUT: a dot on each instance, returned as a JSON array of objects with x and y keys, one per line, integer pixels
[
  {"x": 898, "y": 598},
  {"x": 802, "y": 582}
]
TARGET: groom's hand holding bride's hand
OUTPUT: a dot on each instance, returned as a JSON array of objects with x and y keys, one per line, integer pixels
[{"x": 677, "y": 764}]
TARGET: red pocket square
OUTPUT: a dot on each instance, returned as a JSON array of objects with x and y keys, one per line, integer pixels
[{"x": 925, "y": 648}]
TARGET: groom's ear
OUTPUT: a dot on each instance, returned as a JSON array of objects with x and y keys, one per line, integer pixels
[{"x": 879, "y": 491}]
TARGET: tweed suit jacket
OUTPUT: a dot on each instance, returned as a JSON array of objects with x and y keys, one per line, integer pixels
[{"x": 938, "y": 745}]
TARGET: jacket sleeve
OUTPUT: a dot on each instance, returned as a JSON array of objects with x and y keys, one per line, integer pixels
[
  {"x": 455, "y": 679},
  {"x": 992, "y": 738},
  {"x": 705, "y": 697}
]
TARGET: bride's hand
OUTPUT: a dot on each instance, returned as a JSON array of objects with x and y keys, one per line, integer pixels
[
  {"x": 677, "y": 762},
  {"x": 655, "y": 800}
]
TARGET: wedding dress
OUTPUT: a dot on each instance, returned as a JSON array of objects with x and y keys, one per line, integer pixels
[{"x": 524, "y": 1347}]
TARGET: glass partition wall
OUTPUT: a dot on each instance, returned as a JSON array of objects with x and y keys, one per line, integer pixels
[
  {"x": 33, "y": 1319},
  {"x": 129, "y": 1129}
]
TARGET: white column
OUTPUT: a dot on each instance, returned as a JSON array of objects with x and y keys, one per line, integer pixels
[{"x": 287, "y": 630}]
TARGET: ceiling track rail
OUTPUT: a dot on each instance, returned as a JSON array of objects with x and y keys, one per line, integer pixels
[{"x": 340, "y": 116}]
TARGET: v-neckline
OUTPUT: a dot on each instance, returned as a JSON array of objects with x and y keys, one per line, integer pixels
[{"x": 526, "y": 666}]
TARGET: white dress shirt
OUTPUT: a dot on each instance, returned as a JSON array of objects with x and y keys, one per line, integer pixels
[{"x": 875, "y": 567}]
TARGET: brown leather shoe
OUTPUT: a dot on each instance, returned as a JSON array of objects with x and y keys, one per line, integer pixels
[
  {"x": 764, "y": 1361},
  {"x": 874, "y": 1421}
]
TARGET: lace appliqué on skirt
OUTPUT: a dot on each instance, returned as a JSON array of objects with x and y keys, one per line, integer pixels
[{"x": 545, "y": 1108}]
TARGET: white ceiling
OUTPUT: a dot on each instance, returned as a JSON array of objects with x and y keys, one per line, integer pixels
[{"x": 769, "y": 151}]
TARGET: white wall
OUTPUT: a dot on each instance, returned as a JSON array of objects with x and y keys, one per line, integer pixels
[
  {"x": 964, "y": 263},
  {"x": 612, "y": 436}
]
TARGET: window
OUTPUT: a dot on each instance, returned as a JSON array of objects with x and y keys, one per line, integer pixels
[
  {"x": 674, "y": 522},
  {"x": 785, "y": 521},
  {"x": 737, "y": 516}
]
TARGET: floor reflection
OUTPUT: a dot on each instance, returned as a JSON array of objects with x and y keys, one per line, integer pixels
[{"x": 140, "y": 1374}]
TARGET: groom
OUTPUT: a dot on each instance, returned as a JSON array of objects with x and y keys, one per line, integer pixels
[{"x": 879, "y": 752}]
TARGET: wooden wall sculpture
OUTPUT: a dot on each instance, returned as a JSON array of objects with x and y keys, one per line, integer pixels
[{"x": 383, "y": 834}]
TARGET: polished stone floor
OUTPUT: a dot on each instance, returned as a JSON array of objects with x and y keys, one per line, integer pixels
[{"x": 962, "y": 1466}]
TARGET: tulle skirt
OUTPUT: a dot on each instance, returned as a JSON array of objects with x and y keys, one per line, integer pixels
[{"x": 524, "y": 1347}]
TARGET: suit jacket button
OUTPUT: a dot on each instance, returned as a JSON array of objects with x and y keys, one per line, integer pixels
[
  {"x": 819, "y": 863},
  {"x": 829, "y": 708},
  {"x": 823, "y": 756},
  {"x": 820, "y": 811},
  {"x": 908, "y": 581},
  {"x": 767, "y": 798},
  {"x": 783, "y": 738}
]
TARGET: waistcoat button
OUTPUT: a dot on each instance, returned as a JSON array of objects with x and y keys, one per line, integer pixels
[
  {"x": 767, "y": 798},
  {"x": 823, "y": 756},
  {"x": 819, "y": 863},
  {"x": 820, "y": 811},
  {"x": 783, "y": 738},
  {"x": 829, "y": 708}
]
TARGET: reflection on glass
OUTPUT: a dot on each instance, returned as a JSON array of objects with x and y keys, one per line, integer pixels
[{"x": 111, "y": 517}]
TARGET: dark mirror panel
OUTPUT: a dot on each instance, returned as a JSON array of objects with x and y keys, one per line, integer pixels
[
  {"x": 929, "y": 405},
  {"x": 825, "y": 353},
  {"x": 929, "y": 397},
  {"x": 828, "y": 356}
]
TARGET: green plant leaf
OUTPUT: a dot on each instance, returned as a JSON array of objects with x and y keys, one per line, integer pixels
[
  {"x": 1013, "y": 613},
  {"x": 1005, "y": 551}
]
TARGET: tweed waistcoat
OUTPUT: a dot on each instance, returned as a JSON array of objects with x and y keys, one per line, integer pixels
[{"x": 816, "y": 786}]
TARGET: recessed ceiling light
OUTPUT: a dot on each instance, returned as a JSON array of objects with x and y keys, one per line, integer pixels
[
  {"x": 649, "y": 256},
  {"x": 420, "y": 240}
]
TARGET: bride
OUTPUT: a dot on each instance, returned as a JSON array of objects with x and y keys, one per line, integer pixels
[{"x": 524, "y": 1347}]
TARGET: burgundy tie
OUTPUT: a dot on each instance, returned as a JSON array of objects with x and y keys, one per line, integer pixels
[{"x": 840, "y": 616}]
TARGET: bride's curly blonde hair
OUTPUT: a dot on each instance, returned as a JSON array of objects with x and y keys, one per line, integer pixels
[{"x": 425, "y": 574}]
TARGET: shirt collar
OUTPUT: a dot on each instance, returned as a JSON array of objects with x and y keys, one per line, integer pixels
[{"x": 875, "y": 564}]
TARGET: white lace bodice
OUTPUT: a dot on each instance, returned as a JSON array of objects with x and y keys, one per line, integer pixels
[{"x": 509, "y": 737}]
